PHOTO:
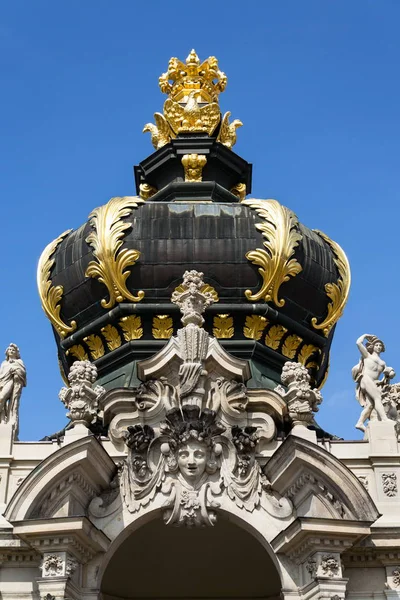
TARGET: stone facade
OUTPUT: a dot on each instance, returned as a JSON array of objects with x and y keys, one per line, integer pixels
[{"x": 190, "y": 447}]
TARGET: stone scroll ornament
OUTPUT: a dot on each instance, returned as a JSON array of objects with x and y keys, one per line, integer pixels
[{"x": 204, "y": 449}]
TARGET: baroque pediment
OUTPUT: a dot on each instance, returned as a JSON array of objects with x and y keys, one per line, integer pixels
[{"x": 193, "y": 432}]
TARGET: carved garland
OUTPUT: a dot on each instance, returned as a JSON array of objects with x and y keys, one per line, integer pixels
[
  {"x": 338, "y": 292},
  {"x": 50, "y": 295},
  {"x": 276, "y": 262},
  {"x": 106, "y": 240}
]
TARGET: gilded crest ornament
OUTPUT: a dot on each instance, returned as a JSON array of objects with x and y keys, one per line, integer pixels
[
  {"x": 106, "y": 239},
  {"x": 192, "y": 104},
  {"x": 337, "y": 292},
  {"x": 275, "y": 261},
  {"x": 51, "y": 295}
]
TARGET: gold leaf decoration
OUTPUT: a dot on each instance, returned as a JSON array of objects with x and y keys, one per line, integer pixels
[
  {"x": 205, "y": 288},
  {"x": 338, "y": 292},
  {"x": 106, "y": 240},
  {"x": 274, "y": 336},
  {"x": 95, "y": 345},
  {"x": 312, "y": 365},
  {"x": 239, "y": 190},
  {"x": 254, "y": 326},
  {"x": 223, "y": 326},
  {"x": 131, "y": 327},
  {"x": 50, "y": 295},
  {"x": 112, "y": 337},
  {"x": 162, "y": 327},
  {"x": 306, "y": 352},
  {"x": 78, "y": 351},
  {"x": 281, "y": 237},
  {"x": 290, "y": 345}
]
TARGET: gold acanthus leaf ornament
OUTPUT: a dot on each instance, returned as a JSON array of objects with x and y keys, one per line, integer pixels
[
  {"x": 131, "y": 327},
  {"x": 106, "y": 239},
  {"x": 274, "y": 336},
  {"x": 162, "y": 327},
  {"x": 276, "y": 264},
  {"x": 78, "y": 351},
  {"x": 223, "y": 326},
  {"x": 50, "y": 295},
  {"x": 290, "y": 345},
  {"x": 254, "y": 326},
  {"x": 95, "y": 345},
  {"x": 111, "y": 336},
  {"x": 306, "y": 352},
  {"x": 338, "y": 292}
]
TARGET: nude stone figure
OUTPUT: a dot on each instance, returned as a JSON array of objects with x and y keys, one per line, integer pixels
[{"x": 366, "y": 374}]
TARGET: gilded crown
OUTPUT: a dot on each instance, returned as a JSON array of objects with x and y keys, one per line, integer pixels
[{"x": 204, "y": 79}]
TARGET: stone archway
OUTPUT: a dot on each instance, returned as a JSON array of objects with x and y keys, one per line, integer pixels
[{"x": 224, "y": 561}]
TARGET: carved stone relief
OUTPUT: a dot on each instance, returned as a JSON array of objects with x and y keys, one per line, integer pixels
[
  {"x": 193, "y": 439},
  {"x": 81, "y": 397},
  {"x": 389, "y": 484}
]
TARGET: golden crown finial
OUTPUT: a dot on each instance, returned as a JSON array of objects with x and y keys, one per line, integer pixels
[{"x": 192, "y": 104}]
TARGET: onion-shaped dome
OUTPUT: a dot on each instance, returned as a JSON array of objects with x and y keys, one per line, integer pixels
[{"x": 279, "y": 287}]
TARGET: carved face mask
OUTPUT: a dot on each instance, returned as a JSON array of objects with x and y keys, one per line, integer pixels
[{"x": 192, "y": 459}]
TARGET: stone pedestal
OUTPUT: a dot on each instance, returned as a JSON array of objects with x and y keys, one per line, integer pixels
[
  {"x": 304, "y": 433},
  {"x": 6, "y": 439},
  {"x": 382, "y": 438},
  {"x": 78, "y": 431}
]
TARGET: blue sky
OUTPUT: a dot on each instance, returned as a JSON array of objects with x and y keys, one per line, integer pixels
[{"x": 316, "y": 85}]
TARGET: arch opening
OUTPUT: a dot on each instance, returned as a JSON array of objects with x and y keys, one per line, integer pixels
[{"x": 160, "y": 562}]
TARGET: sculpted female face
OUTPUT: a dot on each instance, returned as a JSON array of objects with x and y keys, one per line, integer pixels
[
  {"x": 11, "y": 352},
  {"x": 192, "y": 460},
  {"x": 378, "y": 347}
]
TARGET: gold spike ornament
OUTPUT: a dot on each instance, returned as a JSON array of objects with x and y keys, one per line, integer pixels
[
  {"x": 337, "y": 292},
  {"x": 281, "y": 237},
  {"x": 111, "y": 264},
  {"x": 50, "y": 295}
]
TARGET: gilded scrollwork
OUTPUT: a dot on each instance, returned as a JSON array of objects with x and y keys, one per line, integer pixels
[
  {"x": 337, "y": 292},
  {"x": 106, "y": 239},
  {"x": 51, "y": 295},
  {"x": 276, "y": 260},
  {"x": 306, "y": 352}
]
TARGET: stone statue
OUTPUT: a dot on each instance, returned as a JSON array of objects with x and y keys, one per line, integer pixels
[
  {"x": 12, "y": 380},
  {"x": 366, "y": 374}
]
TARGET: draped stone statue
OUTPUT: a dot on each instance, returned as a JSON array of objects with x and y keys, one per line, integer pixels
[
  {"x": 12, "y": 380},
  {"x": 366, "y": 374}
]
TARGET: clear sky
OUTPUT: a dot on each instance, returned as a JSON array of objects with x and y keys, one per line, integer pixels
[{"x": 316, "y": 84}]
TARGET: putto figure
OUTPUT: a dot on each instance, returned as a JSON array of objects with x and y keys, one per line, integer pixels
[
  {"x": 366, "y": 374},
  {"x": 12, "y": 380}
]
